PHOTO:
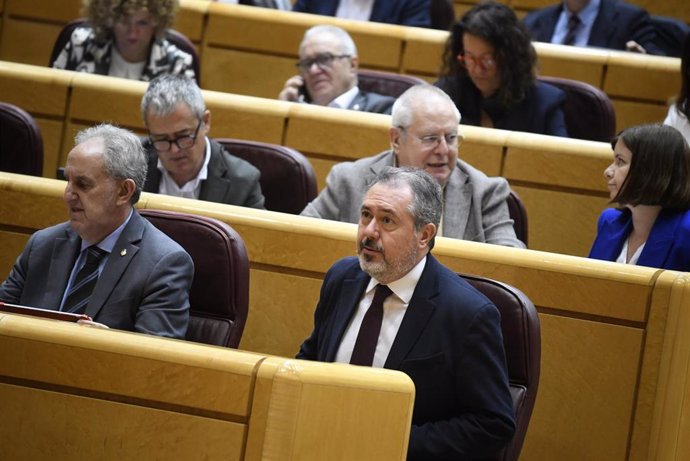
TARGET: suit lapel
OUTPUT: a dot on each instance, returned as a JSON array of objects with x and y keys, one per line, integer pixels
[
  {"x": 418, "y": 314},
  {"x": 352, "y": 290},
  {"x": 604, "y": 25},
  {"x": 359, "y": 103},
  {"x": 216, "y": 186},
  {"x": 616, "y": 233},
  {"x": 457, "y": 200},
  {"x": 65, "y": 253},
  {"x": 123, "y": 252},
  {"x": 656, "y": 251}
]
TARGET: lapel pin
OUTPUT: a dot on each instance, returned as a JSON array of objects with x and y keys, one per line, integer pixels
[{"x": 123, "y": 252}]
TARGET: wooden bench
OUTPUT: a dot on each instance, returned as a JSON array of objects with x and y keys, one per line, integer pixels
[
  {"x": 560, "y": 180},
  {"x": 83, "y": 393},
  {"x": 615, "y": 352}
]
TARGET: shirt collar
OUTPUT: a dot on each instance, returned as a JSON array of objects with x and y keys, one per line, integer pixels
[
  {"x": 109, "y": 241},
  {"x": 404, "y": 287},
  {"x": 344, "y": 100},
  {"x": 588, "y": 13}
]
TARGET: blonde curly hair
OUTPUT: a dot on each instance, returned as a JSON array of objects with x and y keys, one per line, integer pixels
[{"x": 103, "y": 14}]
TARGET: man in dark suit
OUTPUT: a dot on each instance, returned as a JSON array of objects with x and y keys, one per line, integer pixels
[
  {"x": 432, "y": 325},
  {"x": 183, "y": 161},
  {"x": 106, "y": 261},
  {"x": 610, "y": 24},
  {"x": 416, "y": 13},
  {"x": 328, "y": 74}
]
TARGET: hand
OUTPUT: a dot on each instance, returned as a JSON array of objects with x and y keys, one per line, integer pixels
[
  {"x": 91, "y": 324},
  {"x": 290, "y": 91},
  {"x": 632, "y": 45}
]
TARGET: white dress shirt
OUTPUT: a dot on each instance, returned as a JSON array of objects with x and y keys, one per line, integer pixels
[
  {"x": 190, "y": 189},
  {"x": 359, "y": 10},
  {"x": 394, "y": 308}
]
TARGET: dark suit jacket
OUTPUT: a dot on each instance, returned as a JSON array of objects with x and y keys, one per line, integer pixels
[
  {"x": 372, "y": 102},
  {"x": 616, "y": 23},
  {"x": 230, "y": 180},
  {"x": 449, "y": 343},
  {"x": 143, "y": 287},
  {"x": 667, "y": 247},
  {"x": 403, "y": 12},
  {"x": 540, "y": 112}
]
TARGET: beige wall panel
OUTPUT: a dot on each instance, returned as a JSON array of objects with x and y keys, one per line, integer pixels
[
  {"x": 57, "y": 11},
  {"x": 348, "y": 135},
  {"x": 280, "y": 32},
  {"x": 551, "y": 161},
  {"x": 321, "y": 168},
  {"x": 584, "y": 64},
  {"x": 246, "y": 72},
  {"x": 284, "y": 300},
  {"x": 486, "y": 158},
  {"x": 62, "y": 426},
  {"x": 34, "y": 212},
  {"x": 97, "y": 98},
  {"x": 28, "y": 42},
  {"x": 636, "y": 113},
  {"x": 561, "y": 222},
  {"x": 190, "y": 19},
  {"x": 51, "y": 132},
  {"x": 642, "y": 77},
  {"x": 598, "y": 363},
  {"x": 37, "y": 90},
  {"x": 423, "y": 51},
  {"x": 675, "y": 8}
]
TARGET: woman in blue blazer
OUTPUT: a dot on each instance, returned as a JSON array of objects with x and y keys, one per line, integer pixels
[
  {"x": 650, "y": 181},
  {"x": 489, "y": 72}
]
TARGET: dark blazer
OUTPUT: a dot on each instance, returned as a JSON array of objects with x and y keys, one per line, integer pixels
[
  {"x": 230, "y": 180},
  {"x": 372, "y": 102},
  {"x": 540, "y": 112},
  {"x": 667, "y": 247},
  {"x": 449, "y": 343},
  {"x": 616, "y": 23},
  {"x": 403, "y": 12},
  {"x": 143, "y": 287}
]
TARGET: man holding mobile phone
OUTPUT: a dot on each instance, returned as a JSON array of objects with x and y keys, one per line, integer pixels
[{"x": 327, "y": 76}]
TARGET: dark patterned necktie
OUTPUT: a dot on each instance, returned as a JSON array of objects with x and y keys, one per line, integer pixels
[
  {"x": 573, "y": 25},
  {"x": 85, "y": 281},
  {"x": 368, "y": 336}
]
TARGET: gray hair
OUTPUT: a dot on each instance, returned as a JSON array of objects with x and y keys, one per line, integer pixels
[
  {"x": 426, "y": 205},
  {"x": 123, "y": 155},
  {"x": 347, "y": 45},
  {"x": 166, "y": 91},
  {"x": 404, "y": 106}
]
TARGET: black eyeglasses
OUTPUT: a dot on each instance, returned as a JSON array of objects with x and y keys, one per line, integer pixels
[
  {"x": 322, "y": 60},
  {"x": 182, "y": 142}
]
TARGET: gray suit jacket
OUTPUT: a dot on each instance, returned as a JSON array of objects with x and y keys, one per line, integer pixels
[
  {"x": 230, "y": 180},
  {"x": 143, "y": 287},
  {"x": 475, "y": 205}
]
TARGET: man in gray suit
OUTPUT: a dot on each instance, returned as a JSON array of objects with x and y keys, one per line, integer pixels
[
  {"x": 328, "y": 66},
  {"x": 183, "y": 161},
  {"x": 106, "y": 261},
  {"x": 424, "y": 134}
]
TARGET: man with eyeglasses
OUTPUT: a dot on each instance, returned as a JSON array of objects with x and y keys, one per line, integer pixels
[
  {"x": 424, "y": 134},
  {"x": 328, "y": 74},
  {"x": 183, "y": 161}
]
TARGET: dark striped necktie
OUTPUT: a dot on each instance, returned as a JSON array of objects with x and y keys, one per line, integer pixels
[
  {"x": 573, "y": 25},
  {"x": 85, "y": 281},
  {"x": 368, "y": 336}
]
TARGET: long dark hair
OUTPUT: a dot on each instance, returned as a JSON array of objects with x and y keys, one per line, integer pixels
[{"x": 498, "y": 25}]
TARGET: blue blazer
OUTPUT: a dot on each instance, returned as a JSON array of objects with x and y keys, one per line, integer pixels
[
  {"x": 667, "y": 247},
  {"x": 540, "y": 112},
  {"x": 404, "y": 12},
  {"x": 615, "y": 24},
  {"x": 449, "y": 343}
]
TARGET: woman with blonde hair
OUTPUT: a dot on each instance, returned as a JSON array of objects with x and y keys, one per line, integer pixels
[{"x": 125, "y": 38}]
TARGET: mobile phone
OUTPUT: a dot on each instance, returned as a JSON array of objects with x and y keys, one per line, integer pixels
[{"x": 303, "y": 94}]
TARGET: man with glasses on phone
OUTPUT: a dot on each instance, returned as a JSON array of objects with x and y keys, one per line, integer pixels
[
  {"x": 328, "y": 66},
  {"x": 424, "y": 134},
  {"x": 183, "y": 161}
]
